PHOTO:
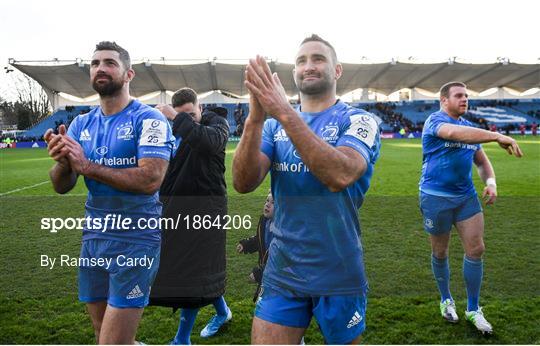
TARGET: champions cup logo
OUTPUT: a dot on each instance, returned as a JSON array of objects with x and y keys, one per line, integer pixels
[
  {"x": 365, "y": 119},
  {"x": 155, "y": 123},
  {"x": 125, "y": 131}
]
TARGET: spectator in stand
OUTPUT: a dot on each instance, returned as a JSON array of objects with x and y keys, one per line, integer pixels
[
  {"x": 238, "y": 114},
  {"x": 534, "y": 128},
  {"x": 493, "y": 127},
  {"x": 522, "y": 129},
  {"x": 402, "y": 132}
]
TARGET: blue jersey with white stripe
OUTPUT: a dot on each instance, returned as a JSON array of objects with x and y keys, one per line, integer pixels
[
  {"x": 120, "y": 141},
  {"x": 316, "y": 248},
  {"x": 446, "y": 164}
]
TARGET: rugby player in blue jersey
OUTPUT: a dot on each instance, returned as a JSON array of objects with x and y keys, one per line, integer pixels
[
  {"x": 320, "y": 158},
  {"x": 122, "y": 149},
  {"x": 447, "y": 196}
]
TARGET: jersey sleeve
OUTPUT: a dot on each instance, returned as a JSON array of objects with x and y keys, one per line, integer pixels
[
  {"x": 155, "y": 137},
  {"x": 267, "y": 142},
  {"x": 434, "y": 123},
  {"x": 73, "y": 130},
  {"x": 361, "y": 133}
]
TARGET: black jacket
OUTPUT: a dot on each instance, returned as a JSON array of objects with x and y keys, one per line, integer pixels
[{"x": 192, "y": 263}]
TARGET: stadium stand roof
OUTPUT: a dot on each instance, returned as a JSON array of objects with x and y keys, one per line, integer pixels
[{"x": 71, "y": 77}]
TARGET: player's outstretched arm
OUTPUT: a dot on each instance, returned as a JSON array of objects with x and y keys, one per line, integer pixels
[
  {"x": 250, "y": 166},
  {"x": 145, "y": 179},
  {"x": 336, "y": 168},
  {"x": 473, "y": 135},
  {"x": 62, "y": 176}
]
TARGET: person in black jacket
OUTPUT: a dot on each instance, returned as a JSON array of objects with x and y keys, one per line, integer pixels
[
  {"x": 192, "y": 264},
  {"x": 259, "y": 242}
]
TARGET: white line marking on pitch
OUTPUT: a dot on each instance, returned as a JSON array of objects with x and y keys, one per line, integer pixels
[{"x": 24, "y": 188}]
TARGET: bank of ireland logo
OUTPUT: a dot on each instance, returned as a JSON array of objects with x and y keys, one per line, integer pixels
[
  {"x": 124, "y": 131},
  {"x": 429, "y": 223},
  {"x": 295, "y": 154},
  {"x": 102, "y": 150}
]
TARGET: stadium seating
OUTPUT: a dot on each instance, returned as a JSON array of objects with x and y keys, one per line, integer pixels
[
  {"x": 529, "y": 107},
  {"x": 502, "y": 113},
  {"x": 396, "y": 115},
  {"x": 61, "y": 116}
]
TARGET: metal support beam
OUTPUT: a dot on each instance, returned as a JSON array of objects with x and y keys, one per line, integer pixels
[
  {"x": 378, "y": 75},
  {"x": 213, "y": 78},
  {"x": 182, "y": 75},
  {"x": 84, "y": 68},
  {"x": 524, "y": 76},
  {"x": 154, "y": 76},
  {"x": 429, "y": 75},
  {"x": 346, "y": 86},
  {"x": 482, "y": 73}
]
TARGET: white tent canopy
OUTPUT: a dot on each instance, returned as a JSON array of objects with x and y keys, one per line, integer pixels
[{"x": 72, "y": 77}]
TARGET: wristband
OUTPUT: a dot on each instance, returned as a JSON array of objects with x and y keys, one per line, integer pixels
[{"x": 491, "y": 181}]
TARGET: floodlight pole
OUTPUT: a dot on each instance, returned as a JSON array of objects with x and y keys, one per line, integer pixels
[
  {"x": 162, "y": 96},
  {"x": 54, "y": 98}
]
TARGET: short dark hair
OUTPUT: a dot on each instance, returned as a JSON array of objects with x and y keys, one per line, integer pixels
[
  {"x": 124, "y": 55},
  {"x": 317, "y": 38},
  {"x": 445, "y": 89},
  {"x": 183, "y": 96}
]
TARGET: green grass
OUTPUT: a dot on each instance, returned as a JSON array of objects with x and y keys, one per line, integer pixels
[{"x": 39, "y": 305}]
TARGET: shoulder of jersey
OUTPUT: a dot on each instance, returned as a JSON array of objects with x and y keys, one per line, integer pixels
[
  {"x": 434, "y": 115},
  {"x": 144, "y": 110},
  {"x": 87, "y": 114},
  {"x": 437, "y": 114},
  {"x": 361, "y": 114},
  {"x": 468, "y": 123},
  {"x": 271, "y": 122}
]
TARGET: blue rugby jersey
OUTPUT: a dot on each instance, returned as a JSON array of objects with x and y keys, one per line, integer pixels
[
  {"x": 446, "y": 165},
  {"x": 316, "y": 248},
  {"x": 120, "y": 141}
]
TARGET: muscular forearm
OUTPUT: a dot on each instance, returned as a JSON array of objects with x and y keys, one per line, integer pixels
[
  {"x": 145, "y": 180},
  {"x": 247, "y": 172},
  {"x": 467, "y": 134},
  {"x": 62, "y": 178},
  {"x": 486, "y": 172},
  {"x": 331, "y": 166}
]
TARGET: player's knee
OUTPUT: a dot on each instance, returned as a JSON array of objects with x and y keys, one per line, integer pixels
[
  {"x": 440, "y": 253},
  {"x": 476, "y": 250}
]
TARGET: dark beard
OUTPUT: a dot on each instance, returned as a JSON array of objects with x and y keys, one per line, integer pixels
[
  {"x": 318, "y": 88},
  {"x": 111, "y": 88}
]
